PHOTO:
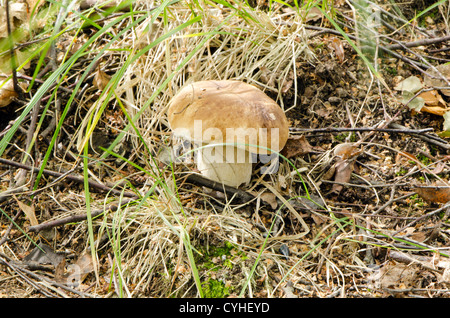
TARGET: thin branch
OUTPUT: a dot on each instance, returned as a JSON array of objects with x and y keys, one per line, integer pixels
[
  {"x": 78, "y": 217},
  {"x": 11, "y": 52},
  {"x": 390, "y": 130},
  {"x": 71, "y": 177},
  {"x": 422, "y": 42}
]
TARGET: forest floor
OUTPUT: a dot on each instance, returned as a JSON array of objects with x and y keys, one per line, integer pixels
[{"x": 358, "y": 207}]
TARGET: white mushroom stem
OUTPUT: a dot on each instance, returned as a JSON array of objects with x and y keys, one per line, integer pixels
[{"x": 229, "y": 165}]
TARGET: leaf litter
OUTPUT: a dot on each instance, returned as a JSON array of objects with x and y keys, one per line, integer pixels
[{"x": 373, "y": 205}]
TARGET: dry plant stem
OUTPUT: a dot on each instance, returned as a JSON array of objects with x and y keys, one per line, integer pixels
[
  {"x": 77, "y": 179},
  {"x": 5, "y": 235},
  {"x": 201, "y": 181},
  {"x": 429, "y": 214},
  {"x": 22, "y": 271},
  {"x": 403, "y": 130},
  {"x": 428, "y": 138},
  {"x": 244, "y": 196},
  {"x": 11, "y": 52},
  {"x": 417, "y": 43},
  {"x": 21, "y": 177},
  {"x": 19, "y": 271},
  {"x": 394, "y": 17},
  {"x": 77, "y": 218}
]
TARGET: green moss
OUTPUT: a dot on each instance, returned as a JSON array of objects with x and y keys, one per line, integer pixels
[
  {"x": 343, "y": 137},
  {"x": 209, "y": 255},
  {"x": 214, "y": 288},
  {"x": 217, "y": 261}
]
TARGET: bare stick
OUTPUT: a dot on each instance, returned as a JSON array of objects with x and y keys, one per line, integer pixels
[
  {"x": 71, "y": 177},
  {"x": 240, "y": 194},
  {"x": 11, "y": 52},
  {"x": 426, "y": 137},
  {"x": 78, "y": 217},
  {"x": 338, "y": 129},
  {"x": 422, "y": 42}
]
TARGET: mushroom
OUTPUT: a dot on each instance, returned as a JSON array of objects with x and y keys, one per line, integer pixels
[{"x": 232, "y": 124}]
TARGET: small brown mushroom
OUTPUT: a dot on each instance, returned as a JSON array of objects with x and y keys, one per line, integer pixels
[{"x": 229, "y": 121}]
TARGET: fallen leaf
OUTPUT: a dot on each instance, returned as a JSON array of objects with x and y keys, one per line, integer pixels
[
  {"x": 74, "y": 274},
  {"x": 338, "y": 48},
  {"x": 432, "y": 98},
  {"x": 343, "y": 173},
  {"x": 18, "y": 14},
  {"x": 411, "y": 84},
  {"x": 437, "y": 193},
  {"x": 443, "y": 69},
  {"x": 43, "y": 254},
  {"x": 409, "y": 87},
  {"x": 446, "y": 124},
  {"x": 326, "y": 111},
  {"x": 313, "y": 15},
  {"x": 29, "y": 212},
  {"x": 415, "y": 104},
  {"x": 435, "y": 110},
  {"x": 346, "y": 150},
  {"x": 33, "y": 6},
  {"x": 395, "y": 275},
  {"x": 438, "y": 168},
  {"x": 270, "y": 199},
  {"x": 7, "y": 92},
  {"x": 433, "y": 103},
  {"x": 295, "y": 146},
  {"x": 101, "y": 79},
  {"x": 419, "y": 236}
]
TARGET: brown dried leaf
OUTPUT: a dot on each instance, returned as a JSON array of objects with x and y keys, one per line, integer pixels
[
  {"x": 344, "y": 169},
  {"x": 338, "y": 48},
  {"x": 7, "y": 92},
  {"x": 438, "y": 168},
  {"x": 433, "y": 98},
  {"x": 443, "y": 69},
  {"x": 326, "y": 111},
  {"x": 295, "y": 146},
  {"x": 29, "y": 212},
  {"x": 437, "y": 193},
  {"x": 346, "y": 150},
  {"x": 74, "y": 274},
  {"x": 419, "y": 236},
  {"x": 18, "y": 14},
  {"x": 33, "y": 6},
  {"x": 101, "y": 79},
  {"x": 313, "y": 15},
  {"x": 396, "y": 275},
  {"x": 435, "y": 110},
  {"x": 270, "y": 199}
]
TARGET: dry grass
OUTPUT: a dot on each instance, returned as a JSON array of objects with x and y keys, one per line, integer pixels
[
  {"x": 152, "y": 254},
  {"x": 177, "y": 239}
]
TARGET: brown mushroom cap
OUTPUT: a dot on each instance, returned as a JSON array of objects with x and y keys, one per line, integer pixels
[{"x": 226, "y": 105}]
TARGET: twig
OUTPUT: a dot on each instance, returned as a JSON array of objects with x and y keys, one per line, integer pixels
[
  {"x": 425, "y": 137},
  {"x": 11, "y": 52},
  {"x": 71, "y": 177},
  {"x": 22, "y": 271},
  {"x": 19, "y": 271},
  {"x": 78, "y": 217},
  {"x": 245, "y": 197},
  {"x": 240, "y": 194},
  {"x": 339, "y": 129},
  {"x": 422, "y": 42},
  {"x": 5, "y": 235},
  {"x": 429, "y": 214}
]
